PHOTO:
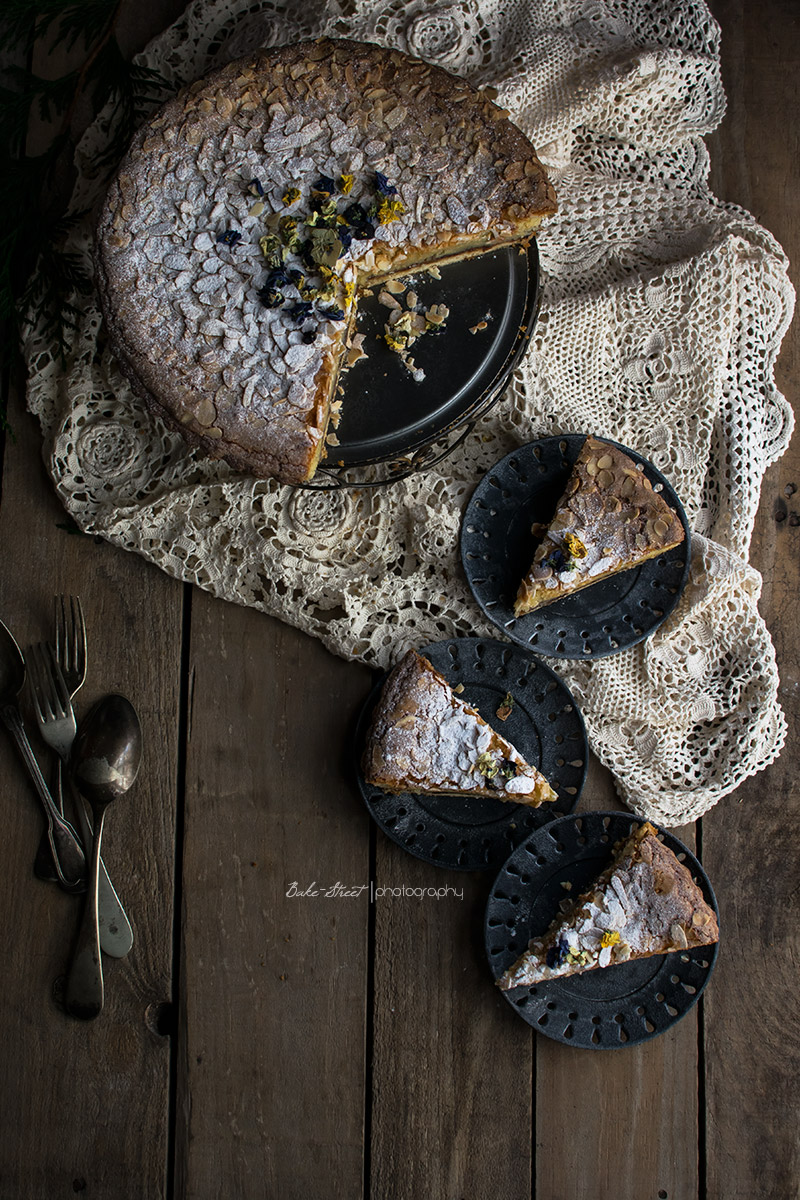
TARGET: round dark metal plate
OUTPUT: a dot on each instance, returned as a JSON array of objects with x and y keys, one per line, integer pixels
[
  {"x": 497, "y": 550},
  {"x": 385, "y": 413},
  {"x": 473, "y": 833},
  {"x": 613, "y": 1006}
]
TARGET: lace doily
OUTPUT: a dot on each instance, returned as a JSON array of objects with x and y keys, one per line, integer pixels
[{"x": 662, "y": 316}]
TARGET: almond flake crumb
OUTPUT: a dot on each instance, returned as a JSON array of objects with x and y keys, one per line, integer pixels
[
  {"x": 475, "y": 328},
  {"x": 458, "y": 689}
]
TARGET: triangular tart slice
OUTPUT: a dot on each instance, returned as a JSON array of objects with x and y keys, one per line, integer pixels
[
  {"x": 607, "y": 520},
  {"x": 424, "y": 739},
  {"x": 644, "y": 903}
]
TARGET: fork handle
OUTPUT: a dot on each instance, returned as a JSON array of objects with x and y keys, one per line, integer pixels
[
  {"x": 84, "y": 993},
  {"x": 66, "y": 848}
]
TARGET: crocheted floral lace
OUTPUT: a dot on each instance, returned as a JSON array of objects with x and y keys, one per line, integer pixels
[{"x": 662, "y": 314}]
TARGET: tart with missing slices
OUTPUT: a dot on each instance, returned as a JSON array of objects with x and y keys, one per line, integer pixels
[
  {"x": 425, "y": 739},
  {"x": 645, "y": 903},
  {"x": 254, "y": 207},
  {"x": 608, "y": 519}
]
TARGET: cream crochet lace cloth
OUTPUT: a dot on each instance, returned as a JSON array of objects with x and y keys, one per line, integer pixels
[{"x": 662, "y": 315}]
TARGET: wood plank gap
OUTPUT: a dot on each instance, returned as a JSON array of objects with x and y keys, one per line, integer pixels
[
  {"x": 177, "y": 1103},
  {"x": 369, "y": 1033}
]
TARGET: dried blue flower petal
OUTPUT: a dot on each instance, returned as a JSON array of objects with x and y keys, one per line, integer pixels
[
  {"x": 382, "y": 184},
  {"x": 300, "y": 310},
  {"x": 345, "y": 236},
  {"x": 364, "y": 232},
  {"x": 557, "y": 953},
  {"x": 324, "y": 184},
  {"x": 309, "y": 336},
  {"x": 229, "y": 237},
  {"x": 255, "y": 187},
  {"x": 294, "y": 276},
  {"x": 277, "y": 277},
  {"x": 333, "y": 314},
  {"x": 355, "y": 214},
  {"x": 270, "y": 297}
]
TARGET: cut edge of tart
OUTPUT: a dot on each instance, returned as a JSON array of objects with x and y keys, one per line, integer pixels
[
  {"x": 230, "y": 377},
  {"x": 608, "y": 519},
  {"x": 644, "y": 903},
  {"x": 425, "y": 739}
]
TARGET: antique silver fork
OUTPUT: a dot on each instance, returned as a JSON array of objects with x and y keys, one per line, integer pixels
[
  {"x": 58, "y": 727},
  {"x": 69, "y": 628}
]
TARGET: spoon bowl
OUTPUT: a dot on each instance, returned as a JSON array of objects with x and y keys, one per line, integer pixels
[
  {"x": 105, "y": 762},
  {"x": 107, "y": 750}
]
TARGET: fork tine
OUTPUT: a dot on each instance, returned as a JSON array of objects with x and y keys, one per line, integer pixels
[
  {"x": 59, "y": 689},
  {"x": 41, "y": 688},
  {"x": 70, "y": 640}
]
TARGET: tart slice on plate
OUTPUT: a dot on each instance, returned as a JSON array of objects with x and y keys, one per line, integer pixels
[
  {"x": 644, "y": 903},
  {"x": 607, "y": 520},
  {"x": 426, "y": 740}
]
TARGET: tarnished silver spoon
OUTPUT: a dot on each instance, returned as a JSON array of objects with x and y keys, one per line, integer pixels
[
  {"x": 64, "y": 842},
  {"x": 105, "y": 762}
]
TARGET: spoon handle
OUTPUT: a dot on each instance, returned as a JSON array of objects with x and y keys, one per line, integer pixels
[
  {"x": 84, "y": 991},
  {"x": 68, "y": 854},
  {"x": 116, "y": 934}
]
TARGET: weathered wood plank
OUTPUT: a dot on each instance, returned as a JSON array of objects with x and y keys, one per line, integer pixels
[
  {"x": 274, "y": 985},
  {"x": 83, "y": 1102},
  {"x": 752, "y": 1040},
  {"x": 452, "y": 1073}
]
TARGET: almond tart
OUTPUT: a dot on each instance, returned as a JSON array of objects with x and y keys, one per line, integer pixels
[
  {"x": 424, "y": 739},
  {"x": 251, "y": 211},
  {"x": 645, "y": 903},
  {"x": 608, "y": 519}
]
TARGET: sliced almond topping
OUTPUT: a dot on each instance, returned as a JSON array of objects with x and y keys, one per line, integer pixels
[
  {"x": 605, "y": 478},
  {"x": 678, "y": 936},
  {"x": 605, "y": 461},
  {"x": 591, "y": 468},
  {"x": 660, "y": 527}
]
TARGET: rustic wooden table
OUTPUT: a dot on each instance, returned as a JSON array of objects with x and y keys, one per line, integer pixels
[{"x": 256, "y": 1043}]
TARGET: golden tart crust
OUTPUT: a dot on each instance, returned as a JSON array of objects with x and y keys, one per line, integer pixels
[
  {"x": 425, "y": 739},
  {"x": 241, "y": 380},
  {"x": 644, "y": 903},
  {"x": 608, "y": 520}
]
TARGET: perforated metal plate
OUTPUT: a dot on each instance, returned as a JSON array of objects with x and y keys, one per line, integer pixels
[
  {"x": 610, "y": 1007},
  {"x": 497, "y": 550},
  {"x": 473, "y": 833}
]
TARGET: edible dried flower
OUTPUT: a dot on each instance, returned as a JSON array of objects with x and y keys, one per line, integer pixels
[
  {"x": 287, "y": 228},
  {"x": 273, "y": 250},
  {"x": 229, "y": 237},
  {"x": 487, "y": 765},
  {"x": 325, "y": 247},
  {"x": 557, "y": 954},
  {"x": 386, "y": 211},
  {"x": 300, "y": 311},
  {"x": 383, "y": 186},
  {"x": 346, "y": 184},
  {"x": 324, "y": 184},
  {"x": 574, "y": 545},
  {"x": 504, "y": 711},
  {"x": 255, "y": 187},
  {"x": 291, "y": 196},
  {"x": 609, "y": 938},
  {"x": 270, "y": 297}
]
